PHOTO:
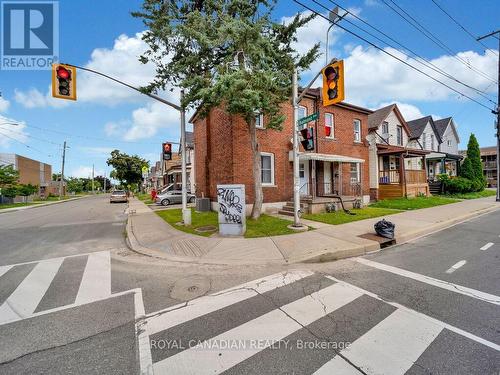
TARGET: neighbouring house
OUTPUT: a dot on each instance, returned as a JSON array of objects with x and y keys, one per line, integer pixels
[
  {"x": 489, "y": 159},
  {"x": 172, "y": 169},
  {"x": 396, "y": 163},
  {"x": 31, "y": 172},
  {"x": 447, "y": 156},
  {"x": 336, "y": 169}
]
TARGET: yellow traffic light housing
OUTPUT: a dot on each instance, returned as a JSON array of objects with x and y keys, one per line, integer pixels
[
  {"x": 333, "y": 83},
  {"x": 63, "y": 81}
]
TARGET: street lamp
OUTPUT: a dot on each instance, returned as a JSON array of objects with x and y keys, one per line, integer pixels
[{"x": 334, "y": 17}]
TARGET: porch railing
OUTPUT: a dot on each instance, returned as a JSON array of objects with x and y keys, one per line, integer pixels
[
  {"x": 389, "y": 177},
  {"x": 327, "y": 188},
  {"x": 415, "y": 177}
]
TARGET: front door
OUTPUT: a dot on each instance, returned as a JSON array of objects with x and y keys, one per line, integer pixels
[
  {"x": 327, "y": 177},
  {"x": 304, "y": 178}
]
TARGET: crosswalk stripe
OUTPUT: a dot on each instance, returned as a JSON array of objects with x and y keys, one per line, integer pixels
[
  {"x": 337, "y": 366},
  {"x": 248, "y": 339},
  {"x": 96, "y": 280},
  {"x": 174, "y": 315},
  {"x": 4, "y": 269},
  {"x": 24, "y": 300},
  {"x": 391, "y": 347}
]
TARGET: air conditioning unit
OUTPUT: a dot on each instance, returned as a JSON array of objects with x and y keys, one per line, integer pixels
[{"x": 203, "y": 204}]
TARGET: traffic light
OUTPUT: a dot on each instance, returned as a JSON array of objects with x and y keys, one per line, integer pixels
[
  {"x": 63, "y": 81},
  {"x": 167, "y": 151},
  {"x": 307, "y": 139},
  {"x": 333, "y": 83}
]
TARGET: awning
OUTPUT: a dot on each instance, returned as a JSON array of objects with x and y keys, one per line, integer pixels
[
  {"x": 443, "y": 155},
  {"x": 303, "y": 156}
]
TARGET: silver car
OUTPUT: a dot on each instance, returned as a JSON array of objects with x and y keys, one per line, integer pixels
[
  {"x": 172, "y": 197},
  {"x": 118, "y": 196}
]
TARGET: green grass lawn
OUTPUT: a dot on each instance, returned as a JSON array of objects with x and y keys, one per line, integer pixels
[
  {"x": 474, "y": 195},
  {"x": 13, "y": 205},
  {"x": 340, "y": 217},
  {"x": 413, "y": 203},
  {"x": 265, "y": 226},
  {"x": 146, "y": 198}
]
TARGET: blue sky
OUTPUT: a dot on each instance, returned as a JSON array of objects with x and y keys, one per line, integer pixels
[{"x": 103, "y": 35}]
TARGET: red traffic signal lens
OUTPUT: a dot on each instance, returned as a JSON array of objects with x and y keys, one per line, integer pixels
[{"x": 63, "y": 73}]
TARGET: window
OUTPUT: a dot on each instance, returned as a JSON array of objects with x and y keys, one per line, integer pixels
[
  {"x": 259, "y": 120},
  {"x": 302, "y": 112},
  {"x": 399, "y": 135},
  {"x": 449, "y": 142},
  {"x": 329, "y": 125},
  {"x": 357, "y": 131},
  {"x": 424, "y": 141},
  {"x": 267, "y": 168},
  {"x": 432, "y": 141},
  {"x": 355, "y": 173},
  {"x": 385, "y": 128}
]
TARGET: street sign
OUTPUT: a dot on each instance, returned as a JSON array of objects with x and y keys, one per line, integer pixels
[{"x": 305, "y": 120}]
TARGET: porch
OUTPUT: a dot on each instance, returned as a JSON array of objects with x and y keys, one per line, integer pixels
[
  {"x": 401, "y": 173},
  {"x": 442, "y": 163},
  {"x": 325, "y": 179}
]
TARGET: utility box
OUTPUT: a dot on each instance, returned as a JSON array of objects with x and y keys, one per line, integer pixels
[
  {"x": 232, "y": 220},
  {"x": 202, "y": 204}
]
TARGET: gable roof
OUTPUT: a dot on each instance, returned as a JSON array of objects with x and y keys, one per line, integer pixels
[
  {"x": 377, "y": 117},
  {"x": 417, "y": 127},
  {"x": 189, "y": 141},
  {"x": 442, "y": 125}
]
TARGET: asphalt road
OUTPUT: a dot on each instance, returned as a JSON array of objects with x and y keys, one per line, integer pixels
[{"x": 74, "y": 299}]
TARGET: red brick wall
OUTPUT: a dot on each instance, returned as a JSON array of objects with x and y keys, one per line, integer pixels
[{"x": 223, "y": 154}]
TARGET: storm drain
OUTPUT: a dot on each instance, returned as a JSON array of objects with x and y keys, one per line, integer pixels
[{"x": 383, "y": 242}]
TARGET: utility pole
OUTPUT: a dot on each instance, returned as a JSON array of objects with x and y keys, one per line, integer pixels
[
  {"x": 186, "y": 213},
  {"x": 61, "y": 182},
  {"x": 93, "y": 179},
  {"x": 497, "y": 112},
  {"x": 104, "y": 187},
  {"x": 296, "y": 171}
]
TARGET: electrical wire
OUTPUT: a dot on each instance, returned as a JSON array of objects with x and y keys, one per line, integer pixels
[
  {"x": 394, "y": 56},
  {"x": 26, "y": 145},
  {"x": 419, "y": 27},
  {"x": 414, "y": 56},
  {"x": 31, "y": 136},
  {"x": 463, "y": 27}
]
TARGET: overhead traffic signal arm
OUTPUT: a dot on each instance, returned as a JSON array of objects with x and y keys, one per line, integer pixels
[{"x": 63, "y": 81}]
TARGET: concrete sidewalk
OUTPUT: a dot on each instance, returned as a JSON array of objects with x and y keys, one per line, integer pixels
[{"x": 150, "y": 235}]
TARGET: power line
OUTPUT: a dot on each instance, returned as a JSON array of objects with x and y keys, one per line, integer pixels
[
  {"x": 31, "y": 136},
  {"x": 26, "y": 145},
  {"x": 419, "y": 27},
  {"x": 417, "y": 57},
  {"x": 394, "y": 56},
  {"x": 462, "y": 27}
]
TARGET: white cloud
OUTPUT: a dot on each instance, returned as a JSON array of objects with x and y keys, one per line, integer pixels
[
  {"x": 35, "y": 99},
  {"x": 101, "y": 152},
  {"x": 4, "y": 104},
  {"x": 86, "y": 172},
  {"x": 371, "y": 76},
  {"x": 10, "y": 133},
  {"x": 409, "y": 111}
]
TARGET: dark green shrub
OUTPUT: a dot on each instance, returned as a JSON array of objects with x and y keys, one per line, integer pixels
[{"x": 458, "y": 185}]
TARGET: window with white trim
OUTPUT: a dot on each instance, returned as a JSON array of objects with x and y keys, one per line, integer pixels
[
  {"x": 329, "y": 125},
  {"x": 385, "y": 128},
  {"x": 259, "y": 120},
  {"x": 357, "y": 130},
  {"x": 267, "y": 168},
  {"x": 399, "y": 135},
  {"x": 449, "y": 142},
  {"x": 355, "y": 173},
  {"x": 302, "y": 112},
  {"x": 432, "y": 141},
  {"x": 424, "y": 141}
]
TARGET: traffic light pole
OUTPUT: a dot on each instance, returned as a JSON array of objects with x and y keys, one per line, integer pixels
[
  {"x": 186, "y": 214},
  {"x": 497, "y": 112},
  {"x": 61, "y": 182}
]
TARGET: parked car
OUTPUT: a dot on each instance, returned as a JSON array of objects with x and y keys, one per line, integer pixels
[
  {"x": 172, "y": 197},
  {"x": 118, "y": 196}
]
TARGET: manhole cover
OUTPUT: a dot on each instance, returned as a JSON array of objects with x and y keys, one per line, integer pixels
[
  {"x": 190, "y": 287},
  {"x": 206, "y": 228}
]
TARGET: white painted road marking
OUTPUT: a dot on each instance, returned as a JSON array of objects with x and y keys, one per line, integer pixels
[
  {"x": 4, "y": 269},
  {"x": 486, "y": 297},
  {"x": 392, "y": 346},
  {"x": 24, "y": 300},
  {"x": 456, "y": 266},
  {"x": 174, "y": 315},
  {"x": 264, "y": 330},
  {"x": 487, "y": 246},
  {"x": 96, "y": 280},
  {"x": 337, "y": 366}
]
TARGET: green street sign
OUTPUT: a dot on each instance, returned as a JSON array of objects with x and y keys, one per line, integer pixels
[{"x": 305, "y": 120}]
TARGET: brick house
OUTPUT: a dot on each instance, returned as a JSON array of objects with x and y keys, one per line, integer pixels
[{"x": 337, "y": 167}]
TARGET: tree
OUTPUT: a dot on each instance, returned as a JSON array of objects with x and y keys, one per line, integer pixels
[
  {"x": 10, "y": 191},
  {"x": 74, "y": 185},
  {"x": 8, "y": 176},
  {"x": 26, "y": 190},
  {"x": 102, "y": 180},
  {"x": 226, "y": 52},
  {"x": 127, "y": 168},
  {"x": 472, "y": 167}
]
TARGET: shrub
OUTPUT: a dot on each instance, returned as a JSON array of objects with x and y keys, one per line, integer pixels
[{"x": 458, "y": 185}]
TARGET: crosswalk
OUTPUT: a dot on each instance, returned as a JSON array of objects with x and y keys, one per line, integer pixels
[
  {"x": 90, "y": 281},
  {"x": 298, "y": 322}
]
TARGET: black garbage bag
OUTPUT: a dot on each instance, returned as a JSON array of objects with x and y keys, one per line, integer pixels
[{"x": 385, "y": 228}]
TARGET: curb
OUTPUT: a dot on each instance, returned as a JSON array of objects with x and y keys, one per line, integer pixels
[
  {"x": 326, "y": 256},
  {"x": 15, "y": 209}
]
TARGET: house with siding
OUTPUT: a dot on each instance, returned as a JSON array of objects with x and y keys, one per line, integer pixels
[
  {"x": 396, "y": 162},
  {"x": 336, "y": 169},
  {"x": 425, "y": 134}
]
